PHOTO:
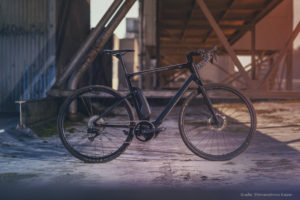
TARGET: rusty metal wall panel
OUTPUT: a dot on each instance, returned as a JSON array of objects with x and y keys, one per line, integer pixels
[{"x": 27, "y": 50}]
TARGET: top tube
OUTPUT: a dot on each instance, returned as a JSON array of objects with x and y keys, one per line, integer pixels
[{"x": 171, "y": 67}]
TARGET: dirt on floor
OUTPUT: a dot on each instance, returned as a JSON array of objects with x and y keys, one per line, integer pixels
[{"x": 271, "y": 163}]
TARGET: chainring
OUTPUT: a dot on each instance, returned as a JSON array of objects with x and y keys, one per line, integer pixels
[{"x": 144, "y": 131}]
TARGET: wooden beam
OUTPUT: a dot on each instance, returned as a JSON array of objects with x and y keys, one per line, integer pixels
[
  {"x": 280, "y": 56},
  {"x": 198, "y": 18},
  {"x": 224, "y": 41},
  {"x": 180, "y": 42},
  {"x": 158, "y": 32},
  {"x": 235, "y": 76},
  {"x": 218, "y": 20},
  {"x": 270, "y": 6},
  {"x": 170, "y": 93},
  {"x": 176, "y": 11},
  {"x": 258, "y": 16},
  {"x": 203, "y": 26},
  {"x": 190, "y": 14},
  {"x": 289, "y": 69}
]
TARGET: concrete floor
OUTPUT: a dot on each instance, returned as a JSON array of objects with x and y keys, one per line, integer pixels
[{"x": 270, "y": 164}]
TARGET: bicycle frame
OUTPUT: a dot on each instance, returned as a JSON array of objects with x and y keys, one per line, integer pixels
[{"x": 174, "y": 100}]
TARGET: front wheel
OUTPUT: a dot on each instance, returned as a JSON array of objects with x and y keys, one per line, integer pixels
[{"x": 217, "y": 141}]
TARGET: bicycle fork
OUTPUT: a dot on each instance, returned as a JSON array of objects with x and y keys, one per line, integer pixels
[{"x": 208, "y": 103}]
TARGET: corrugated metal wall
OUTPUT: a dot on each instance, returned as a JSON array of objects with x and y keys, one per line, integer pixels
[{"x": 27, "y": 50}]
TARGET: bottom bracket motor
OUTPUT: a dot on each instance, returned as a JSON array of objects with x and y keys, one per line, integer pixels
[{"x": 144, "y": 131}]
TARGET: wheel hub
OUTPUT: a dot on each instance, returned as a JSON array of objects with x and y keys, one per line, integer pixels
[
  {"x": 220, "y": 125},
  {"x": 92, "y": 130}
]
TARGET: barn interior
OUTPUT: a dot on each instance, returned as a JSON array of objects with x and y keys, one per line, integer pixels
[
  {"x": 57, "y": 50},
  {"x": 49, "y": 48}
]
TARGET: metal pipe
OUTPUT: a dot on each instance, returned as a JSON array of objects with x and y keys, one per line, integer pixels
[
  {"x": 89, "y": 42},
  {"x": 106, "y": 34},
  {"x": 223, "y": 39},
  {"x": 141, "y": 41},
  {"x": 102, "y": 41},
  {"x": 20, "y": 125}
]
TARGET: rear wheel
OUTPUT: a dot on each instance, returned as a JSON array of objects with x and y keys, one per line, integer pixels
[
  {"x": 228, "y": 138},
  {"x": 88, "y": 137}
]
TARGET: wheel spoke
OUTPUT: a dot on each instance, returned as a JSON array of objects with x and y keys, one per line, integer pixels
[
  {"x": 88, "y": 141},
  {"x": 85, "y": 105},
  {"x": 227, "y": 138}
]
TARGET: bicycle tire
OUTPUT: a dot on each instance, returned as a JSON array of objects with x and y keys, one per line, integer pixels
[
  {"x": 202, "y": 120},
  {"x": 88, "y": 101}
]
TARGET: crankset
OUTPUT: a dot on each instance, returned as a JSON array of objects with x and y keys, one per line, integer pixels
[
  {"x": 221, "y": 123},
  {"x": 145, "y": 131}
]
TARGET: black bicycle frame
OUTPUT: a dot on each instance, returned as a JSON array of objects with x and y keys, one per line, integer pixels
[{"x": 172, "y": 103}]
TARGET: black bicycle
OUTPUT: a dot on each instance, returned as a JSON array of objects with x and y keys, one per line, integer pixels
[{"x": 216, "y": 122}]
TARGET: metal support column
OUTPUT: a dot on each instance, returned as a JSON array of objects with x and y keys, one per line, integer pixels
[
  {"x": 224, "y": 41},
  {"x": 89, "y": 42},
  {"x": 158, "y": 58},
  {"x": 289, "y": 69},
  {"x": 141, "y": 41},
  {"x": 105, "y": 35},
  {"x": 282, "y": 52},
  {"x": 253, "y": 40}
]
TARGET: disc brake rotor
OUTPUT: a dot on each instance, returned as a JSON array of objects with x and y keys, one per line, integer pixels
[{"x": 222, "y": 122}]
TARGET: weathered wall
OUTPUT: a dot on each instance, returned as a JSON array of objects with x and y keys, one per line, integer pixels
[
  {"x": 34, "y": 110},
  {"x": 27, "y": 50},
  {"x": 37, "y": 39}
]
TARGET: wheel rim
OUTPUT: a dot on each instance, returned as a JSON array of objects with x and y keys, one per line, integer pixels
[
  {"x": 218, "y": 141},
  {"x": 90, "y": 141}
]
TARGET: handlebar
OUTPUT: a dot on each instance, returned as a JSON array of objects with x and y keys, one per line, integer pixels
[{"x": 208, "y": 55}]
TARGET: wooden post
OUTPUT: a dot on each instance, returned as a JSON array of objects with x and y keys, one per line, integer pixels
[
  {"x": 289, "y": 69},
  {"x": 224, "y": 41},
  {"x": 141, "y": 41},
  {"x": 253, "y": 40},
  {"x": 282, "y": 52},
  {"x": 158, "y": 7}
]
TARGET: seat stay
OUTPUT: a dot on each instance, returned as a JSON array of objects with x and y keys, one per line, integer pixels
[{"x": 110, "y": 108}]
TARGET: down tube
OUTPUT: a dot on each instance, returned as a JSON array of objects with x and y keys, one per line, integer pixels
[{"x": 173, "y": 101}]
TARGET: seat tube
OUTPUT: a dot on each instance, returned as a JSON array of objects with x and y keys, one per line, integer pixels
[
  {"x": 122, "y": 63},
  {"x": 125, "y": 71}
]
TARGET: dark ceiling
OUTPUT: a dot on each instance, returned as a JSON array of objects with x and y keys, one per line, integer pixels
[{"x": 183, "y": 27}]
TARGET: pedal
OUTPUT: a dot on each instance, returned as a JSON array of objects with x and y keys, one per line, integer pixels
[{"x": 125, "y": 132}]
